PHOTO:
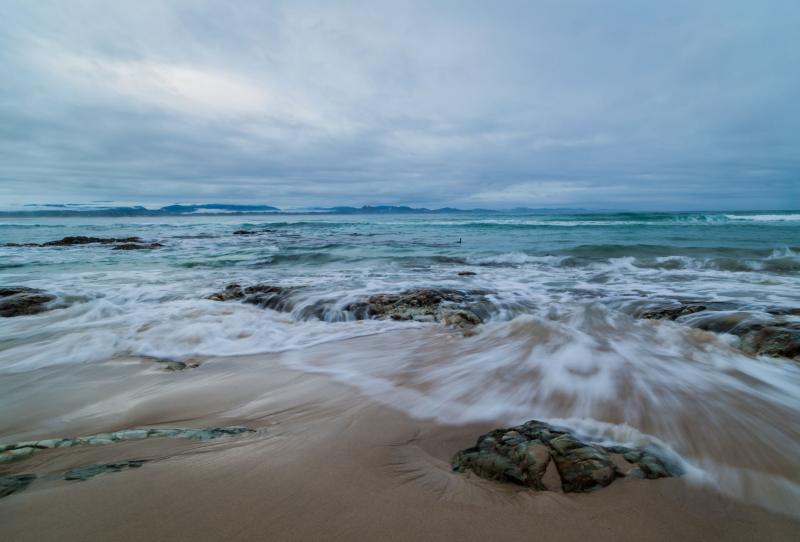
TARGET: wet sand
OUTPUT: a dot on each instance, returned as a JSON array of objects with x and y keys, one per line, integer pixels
[{"x": 325, "y": 463}]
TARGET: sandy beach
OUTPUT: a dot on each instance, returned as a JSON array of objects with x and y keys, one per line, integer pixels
[{"x": 325, "y": 463}]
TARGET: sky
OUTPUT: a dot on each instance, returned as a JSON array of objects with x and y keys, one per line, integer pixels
[{"x": 679, "y": 105}]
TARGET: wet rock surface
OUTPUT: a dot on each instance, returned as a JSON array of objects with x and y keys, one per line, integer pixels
[
  {"x": 773, "y": 332},
  {"x": 21, "y": 301},
  {"x": 462, "y": 309},
  {"x": 137, "y": 246},
  {"x": 451, "y": 307},
  {"x": 22, "y": 450},
  {"x": 521, "y": 455},
  {"x": 264, "y": 295},
  {"x": 90, "y": 471},
  {"x": 14, "y": 483},
  {"x": 121, "y": 243}
]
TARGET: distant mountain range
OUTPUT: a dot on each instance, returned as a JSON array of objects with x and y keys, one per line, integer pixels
[{"x": 58, "y": 210}]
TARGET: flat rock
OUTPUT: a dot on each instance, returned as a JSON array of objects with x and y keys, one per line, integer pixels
[
  {"x": 14, "y": 483},
  {"x": 520, "y": 455},
  {"x": 22, "y": 450},
  {"x": 137, "y": 246},
  {"x": 90, "y": 471},
  {"x": 83, "y": 240}
]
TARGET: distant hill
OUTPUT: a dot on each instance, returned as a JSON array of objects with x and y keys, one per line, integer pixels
[{"x": 71, "y": 209}]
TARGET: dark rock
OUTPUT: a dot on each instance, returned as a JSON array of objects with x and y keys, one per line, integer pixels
[
  {"x": 90, "y": 471},
  {"x": 582, "y": 466},
  {"x": 22, "y": 450},
  {"x": 782, "y": 340},
  {"x": 466, "y": 273},
  {"x": 671, "y": 313},
  {"x": 521, "y": 454},
  {"x": 20, "y": 301},
  {"x": 137, "y": 246},
  {"x": 83, "y": 240},
  {"x": 263, "y": 295},
  {"x": 14, "y": 483},
  {"x": 251, "y": 232},
  {"x": 421, "y": 305}
]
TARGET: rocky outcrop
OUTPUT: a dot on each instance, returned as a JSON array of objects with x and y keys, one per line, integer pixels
[
  {"x": 83, "y": 240},
  {"x": 451, "y": 307},
  {"x": 263, "y": 295},
  {"x": 20, "y": 301},
  {"x": 120, "y": 243},
  {"x": 781, "y": 340},
  {"x": 21, "y": 450},
  {"x": 772, "y": 332},
  {"x": 522, "y": 454}
]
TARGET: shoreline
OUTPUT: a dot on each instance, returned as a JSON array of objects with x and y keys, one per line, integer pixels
[{"x": 325, "y": 461}]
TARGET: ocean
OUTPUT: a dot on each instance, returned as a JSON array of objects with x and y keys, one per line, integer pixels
[{"x": 560, "y": 298}]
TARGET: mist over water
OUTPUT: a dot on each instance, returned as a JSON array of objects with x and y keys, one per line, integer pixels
[{"x": 560, "y": 295}]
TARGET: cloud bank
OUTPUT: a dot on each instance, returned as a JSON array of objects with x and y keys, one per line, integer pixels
[{"x": 675, "y": 105}]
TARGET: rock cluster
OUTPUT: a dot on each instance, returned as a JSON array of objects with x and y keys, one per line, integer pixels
[
  {"x": 521, "y": 455},
  {"x": 263, "y": 295},
  {"x": 20, "y": 301},
  {"x": 120, "y": 243},
  {"x": 776, "y": 336},
  {"x": 450, "y": 307},
  {"x": 21, "y": 450}
]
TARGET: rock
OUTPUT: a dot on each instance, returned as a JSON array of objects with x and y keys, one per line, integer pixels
[
  {"x": 90, "y": 471},
  {"x": 781, "y": 340},
  {"x": 83, "y": 240},
  {"x": 466, "y": 273},
  {"x": 251, "y": 232},
  {"x": 14, "y": 483},
  {"x": 129, "y": 434},
  {"x": 460, "y": 318},
  {"x": 21, "y": 450},
  {"x": 582, "y": 466},
  {"x": 767, "y": 332},
  {"x": 506, "y": 456},
  {"x": 263, "y": 295},
  {"x": 22, "y": 301},
  {"x": 671, "y": 313},
  {"x": 137, "y": 246},
  {"x": 16, "y": 454},
  {"x": 451, "y": 307},
  {"x": 521, "y": 454}
]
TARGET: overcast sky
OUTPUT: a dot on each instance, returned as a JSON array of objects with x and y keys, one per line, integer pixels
[{"x": 604, "y": 104}]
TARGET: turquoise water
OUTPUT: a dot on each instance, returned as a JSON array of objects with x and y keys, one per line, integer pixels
[{"x": 528, "y": 264}]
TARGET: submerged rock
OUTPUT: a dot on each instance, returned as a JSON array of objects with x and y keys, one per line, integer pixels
[
  {"x": 137, "y": 246},
  {"x": 451, "y": 307},
  {"x": 521, "y": 455},
  {"x": 14, "y": 483},
  {"x": 263, "y": 295},
  {"x": 774, "y": 340},
  {"x": 21, "y": 301},
  {"x": 22, "y": 450},
  {"x": 83, "y": 240},
  {"x": 90, "y": 471},
  {"x": 770, "y": 332}
]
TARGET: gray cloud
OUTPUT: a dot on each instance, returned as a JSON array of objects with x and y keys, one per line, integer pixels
[{"x": 679, "y": 105}]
